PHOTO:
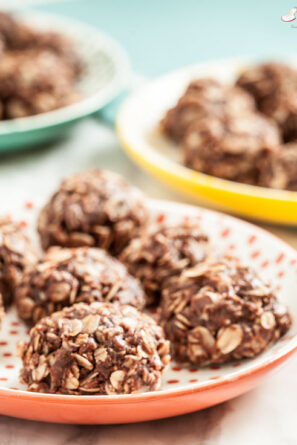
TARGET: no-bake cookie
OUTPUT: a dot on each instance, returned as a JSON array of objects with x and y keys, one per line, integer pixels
[
  {"x": 38, "y": 69},
  {"x": 15, "y": 35},
  {"x": 205, "y": 97},
  {"x": 16, "y": 255},
  {"x": 102, "y": 348},
  {"x": 93, "y": 208},
  {"x": 33, "y": 82},
  {"x": 165, "y": 251},
  {"x": 1, "y": 310},
  {"x": 280, "y": 170},
  {"x": 219, "y": 311},
  {"x": 233, "y": 148},
  {"x": 274, "y": 87},
  {"x": 68, "y": 276}
]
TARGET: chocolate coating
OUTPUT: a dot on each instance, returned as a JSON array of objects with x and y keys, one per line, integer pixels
[
  {"x": 16, "y": 255},
  {"x": 102, "y": 348},
  {"x": 274, "y": 87},
  {"x": 68, "y": 276},
  {"x": 220, "y": 311},
  {"x": 162, "y": 253},
  {"x": 95, "y": 208},
  {"x": 205, "y": 97},
  {"x": 232, "y": 149}
]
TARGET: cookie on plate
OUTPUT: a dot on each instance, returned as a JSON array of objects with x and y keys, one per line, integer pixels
[
  {"x": 220, "y": 311},
  {"x": 94, "y": 208},
  {"x": 15, "y": 35},
  {"x": 274, "y": 87},
  {"x": 16, "y": 255},
  {"x": 233, "y": 148},
  {"x": 34, "y": 81},
  {"x": 205, "y": 97},
  {"x": 66, "y": 276},
  {"x": 163, "y": 252},
  {"x": 101, "y": 348},
  {"x": 1, "y": 310},
  {"x": 280, "y": 170}
]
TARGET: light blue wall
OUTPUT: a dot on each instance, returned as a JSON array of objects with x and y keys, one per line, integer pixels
[{"x": 164, "y": 34}]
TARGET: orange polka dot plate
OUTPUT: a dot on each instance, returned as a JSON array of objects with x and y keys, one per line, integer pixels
[{"x": 184, "y": 389}]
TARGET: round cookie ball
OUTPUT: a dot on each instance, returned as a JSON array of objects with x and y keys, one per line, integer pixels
[
  {"x": 274, "y": 87},
  {"x": 66, "y": 276},
  {"x": 61, "y": 46},
  {"x": 48, "y": 83},
  {"x": 205, "y": 97},
  {"x": 101, "y": 348},
  {"x": 162, "y": 253},
  {"x": 94, "y": 208},
  {"x": 220, "y": 311},
  {"x": 16, "y": 36},
  {"x": 280, "y": 170},
  {"x": 1, "y": 310},
  {"x": 16, "y": 255},
  {"x": 233, "y": 148}
]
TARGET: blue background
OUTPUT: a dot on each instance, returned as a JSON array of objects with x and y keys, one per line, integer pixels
[{"x": 161, "y": 35}]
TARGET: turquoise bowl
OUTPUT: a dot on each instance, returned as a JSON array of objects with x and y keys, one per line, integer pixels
[{"x": 106, "y": 74}]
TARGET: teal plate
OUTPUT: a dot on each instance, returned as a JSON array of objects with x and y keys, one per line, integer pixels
[{"x": 105, "y": 76}]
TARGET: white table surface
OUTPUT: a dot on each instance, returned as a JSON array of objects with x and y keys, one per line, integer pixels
[{"x": 266, "y": 415}]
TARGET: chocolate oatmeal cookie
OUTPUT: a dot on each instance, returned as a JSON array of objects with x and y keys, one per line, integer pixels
[
  {"x": 33, "y": 82},
  {"x": 274, "y": 87},
  {"x": 219, "y": 311},
  {"x": 68, "y": 276},
  {"x": 16, "y": 255},
  {"x": 16, "y": 36},
  {"x": 280, "y": 170},
  {"x": 38, "y": 69},
  {"x": 102, "y": 348},
  {"x": 204, "y": 98},
  {"x": 232, "y": 148},
  {"x": 62, "y": 47},
  {"x": 166, "y": 251},
  {"x": 93, "y": 208},
  {"x": 1, "y": 310}
]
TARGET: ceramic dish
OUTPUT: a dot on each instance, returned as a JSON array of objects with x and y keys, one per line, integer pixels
[
  {"x": 105, "y": 76},
  {"x": 137, "y": 126},
  {"x": 184, "y": 389}
]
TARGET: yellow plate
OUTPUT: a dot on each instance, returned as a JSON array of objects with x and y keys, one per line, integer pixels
[{"x": 137, "y": 127}]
